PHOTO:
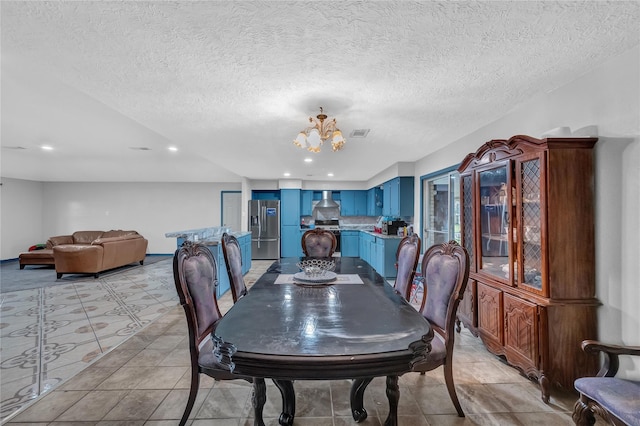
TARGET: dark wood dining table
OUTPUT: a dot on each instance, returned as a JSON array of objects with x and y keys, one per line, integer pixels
[{"x": 287, "y": 332}]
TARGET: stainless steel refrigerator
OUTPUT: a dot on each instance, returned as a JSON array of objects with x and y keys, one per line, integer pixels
[{"x": 264, "y": 224}]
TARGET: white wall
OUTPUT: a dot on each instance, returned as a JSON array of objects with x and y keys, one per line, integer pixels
[
  {"x": 152, "y": 209},
  {"x": 20, "y": 216},
  {"x": 609, "y": 98}
]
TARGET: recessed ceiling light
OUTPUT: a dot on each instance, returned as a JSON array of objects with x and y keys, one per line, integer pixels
[
  {"x": 308, "y": 160},
  {"x": 172, "y": 149},
  {"x": 330, "y": 174},
  {"x": 287, "y": 174},
  {"x": 47, "y": 148}
]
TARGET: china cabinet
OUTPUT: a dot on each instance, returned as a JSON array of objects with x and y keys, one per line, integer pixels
[{"x": 527, "y": 223}]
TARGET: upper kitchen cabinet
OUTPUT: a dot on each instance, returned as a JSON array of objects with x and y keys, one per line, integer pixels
[
  {"x": 398, "y": 197},
  {"x": 528, "y": 225},
  {"x": 353, "y": 203},
  {"x": 290, "y": 207},
  {"x": 374, "y": 201},
  {"x": 306, "y": 203}
]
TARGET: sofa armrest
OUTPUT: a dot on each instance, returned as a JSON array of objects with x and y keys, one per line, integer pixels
[
  {"x": 59, "y": 240},
  {"x": 78, "y": 258}
]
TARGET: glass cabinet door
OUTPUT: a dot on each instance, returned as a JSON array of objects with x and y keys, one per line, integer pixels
[
  {"x": 530, "y": 185},
  {"x": 493, "y": 221},
  {"x": 467, "y": 219}
]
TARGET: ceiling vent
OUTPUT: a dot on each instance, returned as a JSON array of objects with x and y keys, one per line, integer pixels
[
  {"x": 140, "y": 148},
  {"x": 14, "y": 147},
  {"x": 359, "y": 133}
]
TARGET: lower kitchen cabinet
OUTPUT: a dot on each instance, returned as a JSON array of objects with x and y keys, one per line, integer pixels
[
  {"x": 380, "y": 252},
  {"x": 350, "y": 243},
  {"x": 245, "y": 248},
  {"x": 290, "y": 245}
]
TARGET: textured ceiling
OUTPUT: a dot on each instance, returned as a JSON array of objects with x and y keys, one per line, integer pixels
[{"x": 232, "y": 83}]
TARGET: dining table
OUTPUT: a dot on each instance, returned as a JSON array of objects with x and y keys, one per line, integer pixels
[{"x": 354, "y": 327}]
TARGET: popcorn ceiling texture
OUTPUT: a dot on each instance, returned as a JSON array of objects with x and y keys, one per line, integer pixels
[{"x": 203, "y": 75}]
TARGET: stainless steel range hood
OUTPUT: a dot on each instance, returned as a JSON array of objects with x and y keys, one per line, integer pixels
[
  {"x": 327, "y": 201},
  {"x": 326, "y": 208}
]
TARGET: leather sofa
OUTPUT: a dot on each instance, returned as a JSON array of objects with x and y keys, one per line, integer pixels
[{"x": 92, "y": 252}]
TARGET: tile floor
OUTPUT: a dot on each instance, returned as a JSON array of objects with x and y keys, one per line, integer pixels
[{"x": 133, "y": 369}]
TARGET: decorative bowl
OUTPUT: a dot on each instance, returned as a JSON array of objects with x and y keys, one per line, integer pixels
[{"x": 316, "y": 267}]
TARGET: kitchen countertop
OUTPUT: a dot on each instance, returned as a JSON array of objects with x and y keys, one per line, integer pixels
[
  {"x": 389, "y": 237},
  {"x": 208, "y": 236}
]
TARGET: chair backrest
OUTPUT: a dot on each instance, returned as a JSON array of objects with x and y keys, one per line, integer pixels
[
  {"x": 319, "y": 243},
  {"x": 233, "y": 261},
  {"x": 407, "y": 257},
  {"x": 445, "y": 268},
  {"x": 194, "y": 273}
]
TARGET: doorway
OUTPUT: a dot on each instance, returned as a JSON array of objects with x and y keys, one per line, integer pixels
[{"x": 231, "y": 207}]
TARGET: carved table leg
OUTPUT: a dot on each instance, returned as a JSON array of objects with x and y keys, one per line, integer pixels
[
  {"x": 259, "y": 398},
  {"x": 393, "y": 395},
  {"x": 357, "y": 398},
  {"x": 288, "y": 402}
]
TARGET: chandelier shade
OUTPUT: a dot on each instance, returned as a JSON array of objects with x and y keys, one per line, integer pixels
[{"x": 319, "y": 131}]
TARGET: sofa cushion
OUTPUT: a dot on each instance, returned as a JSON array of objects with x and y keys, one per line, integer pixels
[
  {"x": 85, "y": 237},
  {"x": 117, "y": 233},
  {"x": 104, "y": 239}
]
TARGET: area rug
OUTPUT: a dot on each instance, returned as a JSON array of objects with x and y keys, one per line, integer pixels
[{"x": 12, "y": 278}]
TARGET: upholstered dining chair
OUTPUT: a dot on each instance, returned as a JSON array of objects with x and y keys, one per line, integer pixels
[
  {"x": 614, "y": 399},
  {"x": 319, "y": 243},
  {"x": 445, "y": 269},
  {"x": 194, "y": 273},
  {"x": 407, "y": 256},
  {"x": 233, "y": 260}
]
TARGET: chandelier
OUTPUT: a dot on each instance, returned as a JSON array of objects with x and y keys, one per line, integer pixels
[{"x": 318, "y": 132}]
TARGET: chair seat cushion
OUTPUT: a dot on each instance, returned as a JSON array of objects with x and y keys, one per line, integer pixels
[
  {"x": 618, "y": 396},
  {"x": 434, "y": 358}
]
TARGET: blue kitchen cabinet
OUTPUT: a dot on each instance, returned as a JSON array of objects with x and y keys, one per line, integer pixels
[
  {"x": 360, "y": 203},
  {"x": 380, "y": 253},
  {"x": 349, "y": 243},
  {"x": 245, "y": 248},
  {"x": 347, "y": 203},
  {"x": 306, "y": 203},
  {"x": 374, "y": 202},
  {"x": 386, "y": 199},
  {"x": 398, "y": 197},
  {"x": 353, "y": 203},
  {"x": 290, "y": 245},
  {"x": 289, "y": 207}
]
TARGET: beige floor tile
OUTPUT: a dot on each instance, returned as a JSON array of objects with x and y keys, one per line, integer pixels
[
  {"x": 50, "y": 406},
  {"x": 137, "y": 405},
  {"x": 93, "y": 406},
  {"x": 126, "y": 378}
]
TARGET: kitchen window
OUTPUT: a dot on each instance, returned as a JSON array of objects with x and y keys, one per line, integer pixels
[{"x": 440, "y": 207}]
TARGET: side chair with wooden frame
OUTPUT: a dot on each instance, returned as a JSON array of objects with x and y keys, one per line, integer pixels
[{"x": 319, "y": 243}]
